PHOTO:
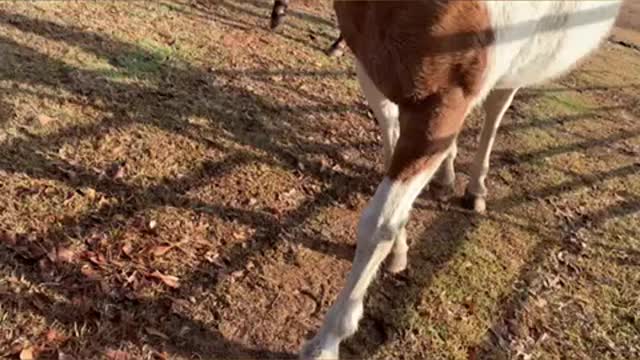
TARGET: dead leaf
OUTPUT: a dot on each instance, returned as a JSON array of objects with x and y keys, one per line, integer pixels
[
  {"x": 169, "y": 280},
  {"x": 235, "y": 275},
  {"x": 159, "y": 356},
  {"x": 117, "y": 355},
  {"x": 27, "y": 353},
  {"x": 53, "y": 336},
  {"x": 90, "y": 193},
  {"x": 158, "y": 333},
  {"x": 153, "y": 224},
  {"x": 240, "y": 235},
  {"x": 542, "y": 338},
  {"x": 541, "y": 303},
  {"x": 160, "y": 250},
  {"x": 561, "y": 256},
  {"x": 88, "y": 271},
  {"x": 64, "y": 356},
  {"x": 95, "y": 240},
  {"x": 64, "y": 254},
  {"x": 44, "y": 119},
  {"x": 127, "y": 249},
  {"x": 213, "y": 257},
  {"x": 96, "y": 258}
]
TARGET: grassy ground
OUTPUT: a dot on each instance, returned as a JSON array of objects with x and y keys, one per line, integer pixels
[{"x": 176, "y": 182}]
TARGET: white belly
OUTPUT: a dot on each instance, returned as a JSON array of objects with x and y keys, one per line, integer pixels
[{"x": 538, "y": 40}]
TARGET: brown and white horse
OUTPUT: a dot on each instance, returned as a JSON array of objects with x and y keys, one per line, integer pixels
[{"x": 423, "y": 65}]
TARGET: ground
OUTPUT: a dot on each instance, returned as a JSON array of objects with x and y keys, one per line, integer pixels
[{"x": 177, "y": 182}]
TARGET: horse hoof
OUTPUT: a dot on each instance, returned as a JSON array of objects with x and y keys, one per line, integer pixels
[
  {"x": 312, "y": 351},
  {"x": 276, "y": 21},
  {"x": 334, "y": 52},
  {"x": 473, "y": 202}
]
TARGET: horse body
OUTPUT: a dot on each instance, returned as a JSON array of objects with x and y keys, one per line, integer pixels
[{"x": 423, "y": 65}]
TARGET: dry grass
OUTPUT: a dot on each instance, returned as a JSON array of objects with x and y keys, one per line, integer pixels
[{"x": 177, "y": 182}]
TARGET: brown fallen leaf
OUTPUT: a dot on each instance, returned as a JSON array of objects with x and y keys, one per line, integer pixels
[
  {"x": 116, "y": 355},
  {"x": 233, "y": 276},
  {"x": 159, "y": 356},
  {"x": 96, "y": 258},
  {"x": 158, "y": 333},
  {"x": 27, "y": 353},
  {"x": 169, "y": 280},
  {"x": 160, "y": 250},
  {"x": 152, "y": 224},
  {"x": 53, "y": 336},
  {"x": 89, "y": 272},
  {"x": 44, "y": 119},
  {"x": 91, "y": 193},
  {"x": 132, "y": 279},
  {"x": 64, "y": 356},
  {"x": 127, "y": 249},
  {"x": 213, "y": 257},
  {"x": 64, "y": 254},
  {"x": 240, "y": 235}
]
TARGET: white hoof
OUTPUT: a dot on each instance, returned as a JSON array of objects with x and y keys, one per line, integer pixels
[
  {"x": 397, "y": 263},
  {"x": 313, "y": 351},
  {"x": 473, "y": 202}
]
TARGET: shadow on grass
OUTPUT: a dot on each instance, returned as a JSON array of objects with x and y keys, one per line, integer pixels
[
  {"x": 266, "y": 128},
  {"x": 233, "y": 14},
  {"x": 496, "y": 343}
]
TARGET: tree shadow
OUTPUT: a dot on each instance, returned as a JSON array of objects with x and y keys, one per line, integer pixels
[
  {"x": 496, "y": 343},
  {"x": 280, "y": 135},
  {"x": 231, "y": 13}
]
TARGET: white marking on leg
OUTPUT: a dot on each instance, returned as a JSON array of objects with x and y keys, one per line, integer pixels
[
  {"x": 495, "y": 107},
  {"x": 398, "y": 260},
  {"x": 446, "y": 175},
  {"x": 381, "y": 224},
  {"x": 385, "y": 111}
]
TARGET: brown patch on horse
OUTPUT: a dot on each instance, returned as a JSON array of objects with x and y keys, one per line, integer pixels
[
  {"x": 427, "y": 129},
  {"x": 429, "y": 57}
]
